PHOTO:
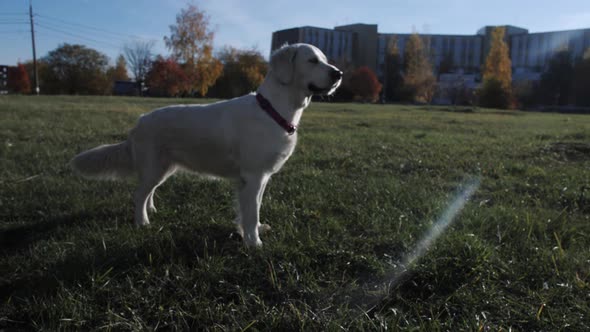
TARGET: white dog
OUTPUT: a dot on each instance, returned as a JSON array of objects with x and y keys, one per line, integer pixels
[{"x": 246, "y": 139}]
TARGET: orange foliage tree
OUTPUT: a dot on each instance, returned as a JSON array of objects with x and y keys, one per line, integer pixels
[
  {"x": 166, "y": 78},
  {"x": 364, "y": 84},
  {"x": 191, "y": 43},
  {"x": 498, "y": 65},
  {"x": 18, "y": 79},
  {"x": 419, "y": 80},
  {"x": 496, "y": 90}
]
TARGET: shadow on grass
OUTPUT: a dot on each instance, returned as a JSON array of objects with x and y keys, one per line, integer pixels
[
  {"x": 80, "y": 266},
  {"x": 20, "y": 237}
]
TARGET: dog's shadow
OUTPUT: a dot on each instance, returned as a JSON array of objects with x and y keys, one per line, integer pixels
[
  {"x": 77, "y": 268},
  {"x": 20, "y": 237}
]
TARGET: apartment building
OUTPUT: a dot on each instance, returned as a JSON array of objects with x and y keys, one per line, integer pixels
[{"x": 362, "y": 45}]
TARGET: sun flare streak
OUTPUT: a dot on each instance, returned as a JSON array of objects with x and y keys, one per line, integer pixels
[{"x": 378, "y": 291}]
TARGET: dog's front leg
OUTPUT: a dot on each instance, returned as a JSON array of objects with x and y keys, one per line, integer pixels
[{"x": 250, "y": 193}]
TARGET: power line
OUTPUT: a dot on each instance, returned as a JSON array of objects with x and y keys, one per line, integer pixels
[
  {"x": 107, "y": 39},
  {"x": 14, "y": 22},
  {"x": 112, "y": 33},
  {"x": 13, "y": 31},
  {"x": 76, "y": 40},
  {"x": 42, "y": 25}
]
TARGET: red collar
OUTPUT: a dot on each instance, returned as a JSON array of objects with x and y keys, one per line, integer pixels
[{"x": 267, "y": 107}]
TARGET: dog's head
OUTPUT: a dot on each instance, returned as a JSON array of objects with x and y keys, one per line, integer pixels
[{"x": 305, "y": 67}]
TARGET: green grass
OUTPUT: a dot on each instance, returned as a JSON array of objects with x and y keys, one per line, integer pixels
[{"x": 364, "y": 184}]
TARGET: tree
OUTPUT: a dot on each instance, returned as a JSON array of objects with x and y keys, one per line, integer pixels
[
  {"x": 419, "y": 81},
  {"x": 243, "y": 72},
  {"x": 18, "y": 80},
  {"x": 75, "y": 69},
  {"x": 555, "y": 87},
  {"x": 119, "y": 71},
  {"x": 364, "y": 84},
  {"x": 393, "y": 83},
  {"x": 139, "y": 58},
  {"x": 497, "y": 73},
  {"x": 494, "y": 94},
  {"x": 166, "y": 78},
  {"x": 581, "y": 84},
  {"x": 498, "y": 64},
  {"x": 41, "y": 70},
  {"x": 191, "y": 43}
]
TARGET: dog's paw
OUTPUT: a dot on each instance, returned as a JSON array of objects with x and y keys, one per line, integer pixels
[
  {"x": 252, "y": 241},
  {"x": 142, "y": 222},
  {"x": 253, "y": 244}
]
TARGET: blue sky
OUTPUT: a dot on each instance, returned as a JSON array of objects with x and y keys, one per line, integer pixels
[{"x": 106, "y": 25}]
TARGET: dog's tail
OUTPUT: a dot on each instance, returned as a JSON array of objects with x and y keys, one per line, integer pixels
[{"x": 110, "y": 161}]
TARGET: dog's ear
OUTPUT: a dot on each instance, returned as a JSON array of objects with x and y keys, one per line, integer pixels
[{"x": 282, "y": 63}]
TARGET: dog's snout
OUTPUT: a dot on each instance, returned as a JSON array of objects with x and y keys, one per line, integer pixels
[{"x": 336, "y": 74}]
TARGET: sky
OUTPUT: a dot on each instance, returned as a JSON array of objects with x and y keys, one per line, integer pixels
[{"x": 106, "y": 25}]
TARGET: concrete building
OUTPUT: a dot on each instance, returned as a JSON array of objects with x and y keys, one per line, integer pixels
[
  {"x": 363, "y": 45},
  {"x": 336, "y": 44}
]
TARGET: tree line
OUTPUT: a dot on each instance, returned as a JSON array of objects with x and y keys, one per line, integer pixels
[{"x": 192, "y": 69}]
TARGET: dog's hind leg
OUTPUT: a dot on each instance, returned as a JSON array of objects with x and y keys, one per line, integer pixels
[
  {"x": 151, "y": 207},
  {"x": 249, "y": 198},
  {"x": 153, "y": 171}
]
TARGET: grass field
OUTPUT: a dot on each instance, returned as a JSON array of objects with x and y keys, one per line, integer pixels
[{"x": 363, "y": 186}]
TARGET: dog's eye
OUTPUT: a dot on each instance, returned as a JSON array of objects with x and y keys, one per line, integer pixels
[{"x": 314, "y": 61}]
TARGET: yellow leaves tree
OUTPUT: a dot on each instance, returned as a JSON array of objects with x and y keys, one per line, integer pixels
[
  {"x": 496, "y": 90},
  {"x": 191, "y": 43},
  {"x": 498, "y": 65},
  {"x": 419, "y": 80},
  {"x": 119, "y": 71}
]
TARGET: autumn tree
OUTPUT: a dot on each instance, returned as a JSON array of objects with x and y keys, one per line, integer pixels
[
  {"x": 364, "y": 84},
  {"x": 75, "y": 69},
  {"x": 497, "y": 72},
  {"x": 41, "y": 70},
  {"x": 18, "y": 80},
  {"x": 494, "y": 94},
  {"x": 419, "y": 80},
  {"x": 166, "y": 78},
  {"x": 243, "y": 72},
  {"x": 581, "y": 84},
  {"x": 139, "y": 56},
  {"x": 191, "y": 43},
  {"x": 393, "y": 82},
  {"x": 119, "y": 71}
]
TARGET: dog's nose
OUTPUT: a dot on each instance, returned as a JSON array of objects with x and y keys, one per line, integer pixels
[{"x": 336, "y": 75}]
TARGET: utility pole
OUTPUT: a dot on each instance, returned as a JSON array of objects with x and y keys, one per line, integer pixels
[{"x": 35, "y": 76}]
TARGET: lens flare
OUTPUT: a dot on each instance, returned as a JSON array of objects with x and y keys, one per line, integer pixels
[{"x": 377, "y": 291}]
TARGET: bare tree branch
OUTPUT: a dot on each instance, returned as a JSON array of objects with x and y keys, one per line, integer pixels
[{"x": 139, "y": 57}]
